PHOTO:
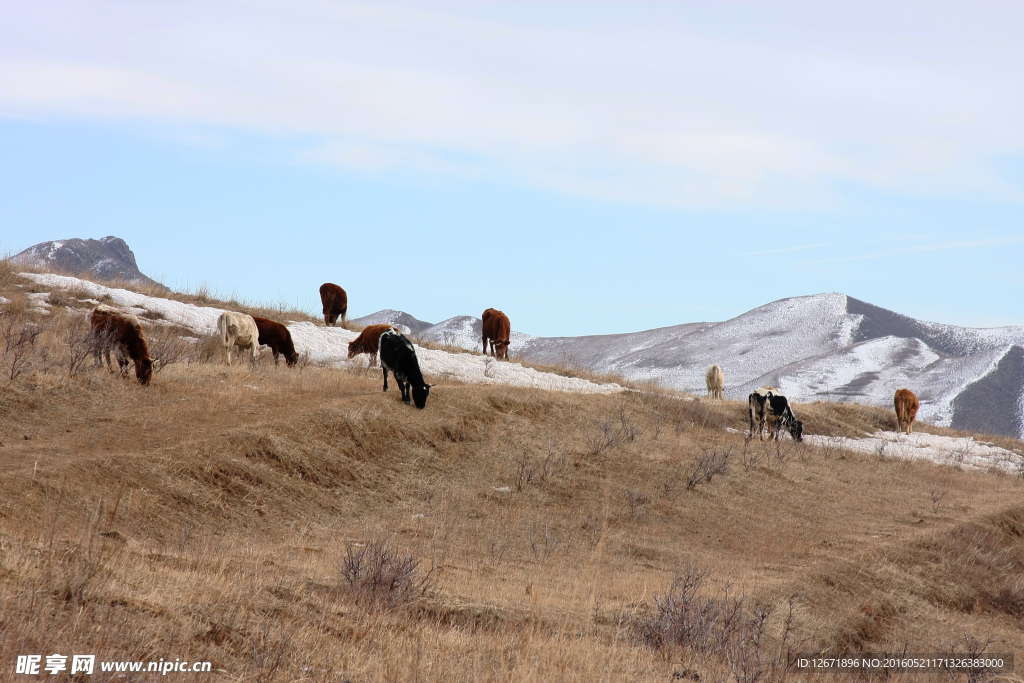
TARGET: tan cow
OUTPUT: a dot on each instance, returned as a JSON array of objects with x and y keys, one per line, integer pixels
[
  {"x": 239, "y": 329},
  {"x": 906, "y": 404},
  {"x": 715, "y": 379}
]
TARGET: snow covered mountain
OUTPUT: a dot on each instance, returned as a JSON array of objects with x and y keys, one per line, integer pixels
[
  {"x": 823, "y": 347},
  {"x": 105, "y": 259}
]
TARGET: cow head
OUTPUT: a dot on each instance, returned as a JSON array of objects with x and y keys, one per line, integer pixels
[
  {"x": 292, "y": 358},
  {"x": 144, "y": 369},
  {"x": 500, "y": 347},
  {"x": 419, "y": 395},
  {"x": 796, "y": 429},
  {"x": 353, "y": 350}
]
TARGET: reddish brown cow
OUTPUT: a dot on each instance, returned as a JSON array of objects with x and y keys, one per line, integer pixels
[
  {"x": 906, "y": 404},
  {"x": 120, "y": 331},
  {"x": 368, "y": 341},
  {"x": 335, "y": 302},
  {"x": 497, "y": 328},
  {"x": 278, "y": 338}
]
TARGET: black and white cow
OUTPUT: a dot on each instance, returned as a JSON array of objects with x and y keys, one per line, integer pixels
[
  {"x": 398, "y": 355},
  {"x": 766, "y": 405}
]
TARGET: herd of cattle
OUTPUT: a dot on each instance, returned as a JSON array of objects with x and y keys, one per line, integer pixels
[
  {"x": 767, "y": 405},
  {"x": 119, "y": 331}
]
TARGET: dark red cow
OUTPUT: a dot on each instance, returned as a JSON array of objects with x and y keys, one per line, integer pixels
[
  {"x": 278, "y": 338},
  {"x": 497, "y": 329},
  {"x": 335, "y": 302},
  {"x": 121, "y": 331},
  {"x": 906, "y": 404},
  {"x": 368, "y": 341}
]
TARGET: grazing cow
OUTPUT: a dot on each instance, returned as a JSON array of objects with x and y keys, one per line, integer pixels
[
  {"x": 497, "y": 329},
  {"x": 715, "y": 379},
  {"x": 335, "y": 302},
  {"x": 278, "y": 338},
  {"x": 906, "y": 404},
  {"x": 120, "y": 331},
  {"x": 766, "y": 405},
  {"x": 239, "y": 329},
  {"x": 398, "y": 355},
  {"x": 368, "y": 341}
]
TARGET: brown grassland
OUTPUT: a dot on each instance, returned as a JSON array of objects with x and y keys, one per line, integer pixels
[{"x": 301, "y": 525}]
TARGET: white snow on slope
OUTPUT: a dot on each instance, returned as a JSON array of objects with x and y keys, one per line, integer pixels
[
  {"x": 202, "y": 320},
  {"x": 944, "y": 450},
  {"x": 329, "y": 345}
]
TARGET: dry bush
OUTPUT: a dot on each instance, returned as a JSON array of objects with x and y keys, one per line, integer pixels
[
  {"x": 168, "y": 345},
  {"x": 712, "y": 462},
  {"x": 8, "y": 272},
  {"x": 722, "y": 628},
  {"x": 378, "y": 576},
  {"x": 18, "y": 337}
]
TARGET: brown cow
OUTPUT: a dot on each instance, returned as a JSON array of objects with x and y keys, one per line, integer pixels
[
  {"x": 368, "y": 341},
  {"x": 497, "y": 328},
  {"x": 278, "y": 338},
  {"x": 906, "y": 404},
  {"x": 335, "y": 302},
  {"x": 121, "y": 331}
]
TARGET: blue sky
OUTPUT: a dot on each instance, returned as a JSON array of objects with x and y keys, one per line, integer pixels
[{"x": 586, "y": 167}]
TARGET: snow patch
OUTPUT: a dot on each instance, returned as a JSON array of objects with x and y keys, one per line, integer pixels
[{"x": 960, "y": 452}]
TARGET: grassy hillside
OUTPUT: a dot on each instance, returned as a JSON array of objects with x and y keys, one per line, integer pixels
[{"x": 290, "y": 524}]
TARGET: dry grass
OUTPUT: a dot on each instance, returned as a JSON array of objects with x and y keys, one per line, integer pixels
[{"x": 215, "y": 514}]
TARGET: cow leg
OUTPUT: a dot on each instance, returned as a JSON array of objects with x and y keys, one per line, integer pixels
[
  {"x": 373, "y": 359},
  {"x": 110, "y": 364},
  {"x": 385, "y": 370},
  {"x": 485, "y": 344},
  {"x": 404, "y": 386}
]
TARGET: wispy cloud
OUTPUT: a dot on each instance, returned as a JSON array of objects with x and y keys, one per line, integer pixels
[
  {"x": 941, "y": 246},
  {"x": 679, "y": 106}
]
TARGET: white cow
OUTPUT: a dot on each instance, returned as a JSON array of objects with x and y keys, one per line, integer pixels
[
  {"x": 715, "y": 379},
  {"x": 239, "y": 329}
]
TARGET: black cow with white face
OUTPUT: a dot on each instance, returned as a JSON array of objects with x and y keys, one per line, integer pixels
[
  {"x": 768, "y": 406},
  {"x": 398, "y": 355}
]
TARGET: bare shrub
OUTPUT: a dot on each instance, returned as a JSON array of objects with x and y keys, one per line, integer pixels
[
  {"x": 19, "y": 337},
  {"x": 497, "y": 546},
  {"x": 636, "y": 501},
  {"x": 960, "y": 453},
  {"x": 973, "y": 649},
  {"x": 380, "y": 577},
  {"x": 752, "y": 455},
  {"x": 59, "y": 298},
  {"x": 167, "y": 345},
  {"x": 81, "y": 344},
  {"x": 720, "y": 627},
  {"x": 630, "y": 430},
  {"x": 208, "y": 349},
  {"x": 543, "y": 540},
  {"x": 712, "y": 462},
  {"x": 938, "y": 493},
  {"x": 607, "y": 435},
  {"x": 527, "y": 472}
]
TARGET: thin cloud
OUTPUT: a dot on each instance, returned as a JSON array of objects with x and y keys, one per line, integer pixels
[{"x": 944, "y": 246}]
